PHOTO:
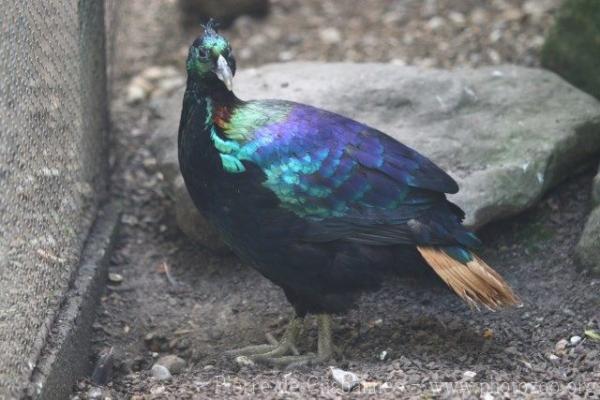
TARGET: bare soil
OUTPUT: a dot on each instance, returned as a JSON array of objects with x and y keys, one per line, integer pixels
[{"x": 177, "y": 298}]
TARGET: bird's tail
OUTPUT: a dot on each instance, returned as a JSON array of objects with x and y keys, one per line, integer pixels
[{"x": 471, "y": 278}]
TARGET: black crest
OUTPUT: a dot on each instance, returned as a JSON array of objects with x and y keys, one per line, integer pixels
[{"x": 211, "y": 27}]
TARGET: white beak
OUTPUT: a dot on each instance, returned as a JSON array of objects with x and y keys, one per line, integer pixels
[{"x": 224, "y": 72}]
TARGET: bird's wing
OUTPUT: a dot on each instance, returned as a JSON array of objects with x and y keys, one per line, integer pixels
[{"x": 352, "y": 181}]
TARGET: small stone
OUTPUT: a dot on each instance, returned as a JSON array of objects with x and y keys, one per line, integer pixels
[
  {"x": 286, "y": 55},
  {"x": 161, "y": 372},
  {"x": 150, "y": 163},
  {"x": 479, "y": 16},
  {"x": 95, "y": 393},
  {"x": 553, "y": 357},
  {"x": 345, "y": 379},
  {"x": 138, "y": 90},
  {"x": 457, "y": 18},
  {"x": 135, "y": 94},
  {"x": 330, "y": 35},
  {"x": 157, "y": 390},
  {"x": 173, "y": 363},
  {"x": 113, "y": 277},
  {"x": 488, "y": 333},
  {"x": 494, "y": 56},
  {"x": 513, "y": 14},
  {"x": 538, "y": 8},
  {"x": 487, "y": 396},
  {"x": 575, "y": 340},
  {"x": 370, "y": 386},
  {"x": 469, "y": 375},
  {"x": 383, "y": 355},
  {"x": 129, "y": 219},
  {"x": 561, "y": 346},
  {"x": 435, "y": 23},
  {"x": 244, "y": 361}
]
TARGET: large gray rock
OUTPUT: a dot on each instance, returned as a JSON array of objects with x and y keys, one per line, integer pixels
[
  {"x": 507, "y": 134},
  {"x": 588, "y": 248},
  {"x": 587, "y": 251},
  {"x": 596, "y": 189}
]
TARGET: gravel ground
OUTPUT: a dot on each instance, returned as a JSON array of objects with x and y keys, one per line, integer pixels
[{"x": 167, "y": 296}]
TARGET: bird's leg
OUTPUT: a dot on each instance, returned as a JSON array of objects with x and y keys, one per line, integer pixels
[
  {"x": 287, "y": 344},
  {"x": 325, "y": 349},
  {"x": 325, "y": 346}
]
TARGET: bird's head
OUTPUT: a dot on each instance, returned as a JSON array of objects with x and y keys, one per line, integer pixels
[{"x": 210, "y": 56}]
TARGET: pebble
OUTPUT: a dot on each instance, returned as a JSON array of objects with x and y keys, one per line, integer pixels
[
  {"x": 435, "y": 23},
  {"x": 479, "y": 16},
  {"x": 330, "y": 35},
  {"x": 457, "y": 18},
  {"x": 95, "y": 393},
  {"x": 370, "y": 386},
  {"x": 538, "y": 8},
  {"x": 469, "y": 375},
  {"x": 488, "y": 333},
  {"x": 561, "y": 346},
  {"x": 172, "y": 362},
  {"x": 244, "y": 361},
  {"x": 286, "y": 55},
  {"x": 115, "y": 278},
  {"x": 157, "y": 390},
  {"x": 513, "y": 14},
  {"x": 574, "y": 340},
  {"x": 345, "y": 379},
  {"x": 137, "y": 91},
  {"x": 383, "y": 355},
  {"x": 161, "y": 372},
  {"x": 553, "y": 357}
]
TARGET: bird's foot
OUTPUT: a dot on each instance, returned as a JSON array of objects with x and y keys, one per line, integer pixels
[
  {"x": 283, "y": 354},
  {"x": 286, "y": 346},
  {"x": 326, "y": 350}
]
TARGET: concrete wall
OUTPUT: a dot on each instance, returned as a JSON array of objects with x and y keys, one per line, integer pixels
[{"x": 53, "y": 152}]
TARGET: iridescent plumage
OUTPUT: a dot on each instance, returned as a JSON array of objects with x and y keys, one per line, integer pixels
[{"x": 320, "y": 204}]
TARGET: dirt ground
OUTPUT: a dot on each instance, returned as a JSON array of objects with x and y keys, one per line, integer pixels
[{"x": 177, "y": 298}]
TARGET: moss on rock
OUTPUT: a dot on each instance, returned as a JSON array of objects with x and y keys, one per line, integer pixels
[{"x": 572, "y": 48}]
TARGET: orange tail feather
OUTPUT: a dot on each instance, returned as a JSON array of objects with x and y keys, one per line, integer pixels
[{"x": 475, "y": 282}]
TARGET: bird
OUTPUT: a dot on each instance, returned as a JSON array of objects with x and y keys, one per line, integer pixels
[{"x": 323, "y": 206}]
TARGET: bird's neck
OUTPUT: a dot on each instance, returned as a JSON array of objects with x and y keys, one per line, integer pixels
[
  {"x": 211, "y": 91},
  {"x": 205, "y": 101}
]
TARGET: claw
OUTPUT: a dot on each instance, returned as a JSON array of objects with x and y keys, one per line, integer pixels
[{"x": 284, "y": 353}]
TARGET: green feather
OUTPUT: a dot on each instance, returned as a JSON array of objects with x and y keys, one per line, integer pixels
[{"x": 239, "y": 132}]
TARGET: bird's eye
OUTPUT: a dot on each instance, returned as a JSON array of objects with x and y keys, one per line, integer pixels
[{"x": 202, "y": 52}]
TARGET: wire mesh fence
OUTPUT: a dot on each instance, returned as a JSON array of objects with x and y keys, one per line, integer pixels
[{"x": 53, "y": 152}]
